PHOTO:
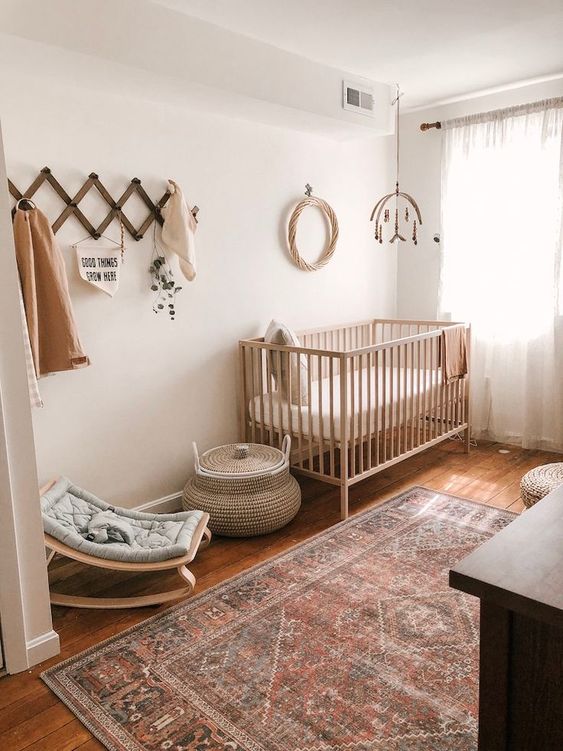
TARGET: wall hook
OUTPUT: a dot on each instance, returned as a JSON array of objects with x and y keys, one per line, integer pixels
[
  {"x": 308, "y": 190},
  {"x": 116, "y": 206}
]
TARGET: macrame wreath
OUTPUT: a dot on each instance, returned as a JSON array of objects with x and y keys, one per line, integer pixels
[{"x": 330, "y": 216}]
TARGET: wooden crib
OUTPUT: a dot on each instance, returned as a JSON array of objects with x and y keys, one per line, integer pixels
[{"x": 364, "y": 396}]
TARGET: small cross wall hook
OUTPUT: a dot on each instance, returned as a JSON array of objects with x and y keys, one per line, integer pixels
[{"x": 308, "y": 190}]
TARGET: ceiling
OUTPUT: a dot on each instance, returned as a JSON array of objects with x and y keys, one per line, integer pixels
[{"x": 437, "y": 49}]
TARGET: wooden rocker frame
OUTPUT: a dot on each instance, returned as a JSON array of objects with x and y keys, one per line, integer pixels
[{"x": 201, "y": 539}]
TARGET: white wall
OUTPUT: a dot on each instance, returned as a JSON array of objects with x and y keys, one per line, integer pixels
[
  {"x": 419, "y": 267},
  {"x": 123, "y": 427}
]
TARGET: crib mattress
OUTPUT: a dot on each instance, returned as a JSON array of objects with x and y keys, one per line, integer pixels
[{"x": 310, "y": 415}]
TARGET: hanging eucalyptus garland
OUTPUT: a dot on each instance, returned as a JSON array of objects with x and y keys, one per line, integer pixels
[{"x": 163, "y": 283}]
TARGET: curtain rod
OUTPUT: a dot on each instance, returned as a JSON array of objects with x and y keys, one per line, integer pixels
[
  {"x": 484, "y": 117},
  {"x": 428, "y": 126}
]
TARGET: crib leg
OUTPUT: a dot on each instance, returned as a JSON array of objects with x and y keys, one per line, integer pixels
[
  {"x": 467, "y": 439},
  {"x": 344, "y": 501}
]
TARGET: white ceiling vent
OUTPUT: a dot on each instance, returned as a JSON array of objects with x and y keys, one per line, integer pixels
[{"x": 358, "y": 97}]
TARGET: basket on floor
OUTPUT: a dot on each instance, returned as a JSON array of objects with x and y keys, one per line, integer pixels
[
  {"x": 540, "y": 481},
  {"x": 246, "y": 489}
]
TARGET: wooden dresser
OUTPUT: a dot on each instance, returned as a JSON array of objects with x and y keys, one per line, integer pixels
[{"x": 518, "y": 576}]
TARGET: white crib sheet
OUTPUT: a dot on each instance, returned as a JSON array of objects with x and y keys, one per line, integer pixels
[{"x": 360, "y": 426}]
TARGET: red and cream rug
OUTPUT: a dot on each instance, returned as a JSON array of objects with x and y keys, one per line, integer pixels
[{"x": 352, "y": 641}]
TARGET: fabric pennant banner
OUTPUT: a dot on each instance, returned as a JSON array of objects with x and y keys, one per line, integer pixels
[{"x": 100, "y": 267}]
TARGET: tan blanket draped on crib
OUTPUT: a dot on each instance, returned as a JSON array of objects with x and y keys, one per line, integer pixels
[{"x": 453, "y": 353}]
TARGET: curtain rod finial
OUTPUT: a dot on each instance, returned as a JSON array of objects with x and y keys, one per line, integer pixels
[{"x": 428, "y": 126}]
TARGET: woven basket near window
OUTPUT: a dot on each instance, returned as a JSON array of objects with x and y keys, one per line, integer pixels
[
  {"x": 540, "y": 481},
  {"x": 246, "y": 489}
]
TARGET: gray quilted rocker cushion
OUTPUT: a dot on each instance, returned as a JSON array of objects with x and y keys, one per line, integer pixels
[{"x": 77, "y": 518}]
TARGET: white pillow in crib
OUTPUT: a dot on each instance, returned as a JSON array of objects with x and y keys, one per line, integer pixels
[{"x": 279, "y": 333}]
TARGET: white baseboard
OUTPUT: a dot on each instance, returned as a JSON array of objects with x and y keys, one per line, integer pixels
[
  {"x": 42, "y": 648},
  {"x": 169, "y": 504}
]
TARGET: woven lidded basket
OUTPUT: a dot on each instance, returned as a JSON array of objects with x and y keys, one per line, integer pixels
[
  {"x": 245, "y": 488},
  {"x": 540, "y": 481}
]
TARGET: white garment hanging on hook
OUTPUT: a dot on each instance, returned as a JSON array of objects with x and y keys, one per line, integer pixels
[
  {"x": 178, "y": 231},
  {"x": 33, "y": 387}
]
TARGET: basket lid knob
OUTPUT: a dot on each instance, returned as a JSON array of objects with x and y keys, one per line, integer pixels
[{"x": 242, "y": 450}]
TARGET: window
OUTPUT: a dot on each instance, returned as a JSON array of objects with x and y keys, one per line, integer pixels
[{"x": 501, "y": 265}]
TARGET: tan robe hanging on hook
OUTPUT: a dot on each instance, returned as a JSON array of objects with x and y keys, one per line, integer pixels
[{"x": 52, "y": 330}]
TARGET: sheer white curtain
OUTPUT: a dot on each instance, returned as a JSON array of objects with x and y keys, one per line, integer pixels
[{"x": 502, "y": 178}]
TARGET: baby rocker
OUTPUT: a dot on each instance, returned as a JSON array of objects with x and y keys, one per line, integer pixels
[{"x": 82, "y": 527}]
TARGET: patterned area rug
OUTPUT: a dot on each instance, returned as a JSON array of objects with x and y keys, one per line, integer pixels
[{"x": 351, "y": 641}]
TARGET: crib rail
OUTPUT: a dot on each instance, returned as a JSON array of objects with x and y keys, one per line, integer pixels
[{"x": 356, "y": 398}]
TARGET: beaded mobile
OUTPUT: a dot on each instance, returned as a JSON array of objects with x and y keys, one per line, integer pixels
[{"x": 408, "y": 201}]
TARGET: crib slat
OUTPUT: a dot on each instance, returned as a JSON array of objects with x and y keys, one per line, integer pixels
[
  {"x": 392, "y": 401},
  {"x": 253, "y": 395},
  {"x": 412, "y": 372},
  {"x": 321, "y": 417},
  {"x": 310, "y": 409},
  {"x": 376, "y": 410},
  {"x": 290, "y": 389},
  {"x": 463, "y": 402},
  {"x": 331, "y": 414},
  {"x": 438, "y": 388},
  {"x": 436, "y": 382},
  {"x": 398, "y": 402},
  {"x": 299, "y": 416},
  {"x": 456, "y": 402},
  {"x": 443, "y": 406},
  {"x": 352, "y": 419},
  {"x": 361, "y": 435},
  {"x": 269, "y": 364},
  {"x": 418, "y": 389},
  {"x": 384, "y": 405},
  {"x": 426, "y": 389},
  {"x": 431, "y": 424},
  {"x": 405, "y": 374},
  {"x": 343, "y": 420},
  {"x": 443, "y": 402},
  {"x": 261, "y": 353},
  {"x": 369, "y": 414},
  {"x": 280, "y": 397},
  {"x": 447, "y": 408},
  {"x": 453, "y": 405},
  {"x": 398, "y": 407},
  {"x": 450, "y": 406},
  {"x": 460, "y": 419}
]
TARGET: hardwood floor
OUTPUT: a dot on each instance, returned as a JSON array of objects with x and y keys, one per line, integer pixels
[{"x": 32, "y": 718}]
